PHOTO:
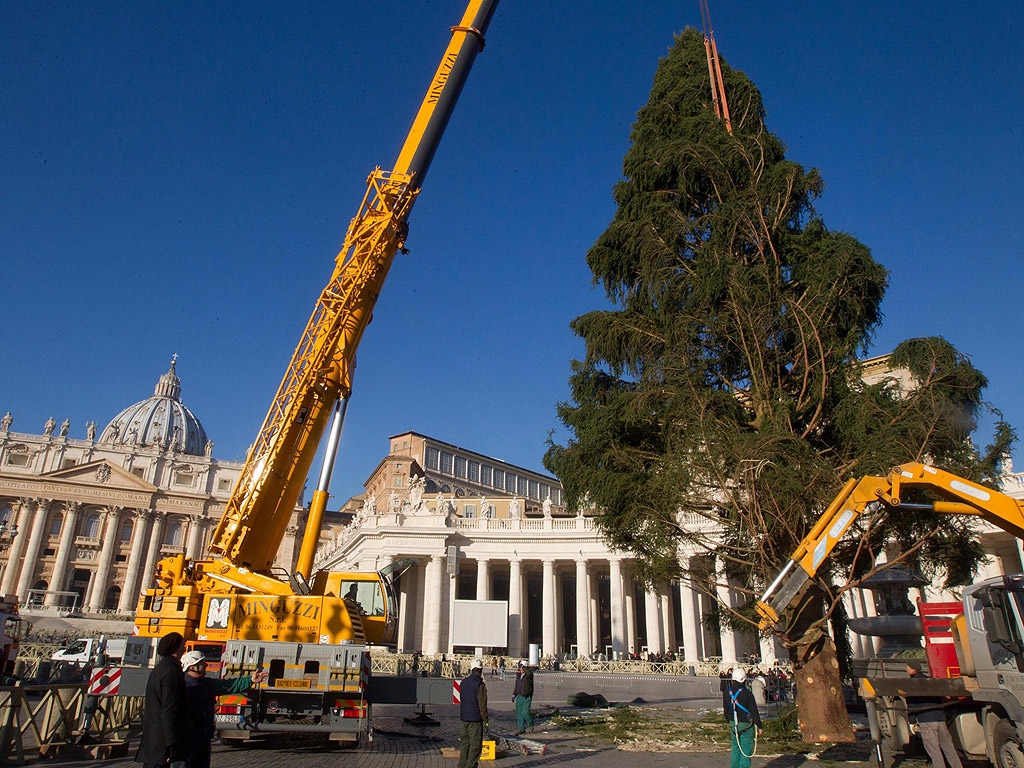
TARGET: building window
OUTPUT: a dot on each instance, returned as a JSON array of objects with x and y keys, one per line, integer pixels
[
  {"x": 92, "y": 527},
  {"x": 55, "y": 524},
  {"x": 499, "y": 479},
  {"x": 510, "y": 482},
  {"x": 224, "y": 485},
  {"x": 126, "y": 531},
  {"x": 67, "y": 463},
  {"x": 17, "y": 459},
  {"x": 534, "y": 490},
  {"x": 6, "y": 514},
  {"x": 139, "y": 471},
  {"x": 521, "y": 486},
  {"x": 121, "y": 558},
  {"x": 474, "y": 471},
  {"x": 545, "y": 492},
  {"x": 460, "y": 466},
  {"x": 446, "y": 462},
  {"x": 485, "y": 475},
  {"x": 432, "y": 458},
  {"x": 469, "y": 510},
  {"x": 49, "y": 552},
  {"x": 184, "y": 479},
  {"x": 173, "y": 536},
  {"x": 397, "y": 482}
]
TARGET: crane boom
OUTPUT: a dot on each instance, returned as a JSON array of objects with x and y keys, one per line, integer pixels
[
  {"x": 957, "y": 496},
  {"x": 318, "y": 380},
  {"x": 321, "y": 368}
]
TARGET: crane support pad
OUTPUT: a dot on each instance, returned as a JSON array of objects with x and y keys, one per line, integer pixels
[{"x": 410, "y": 690}]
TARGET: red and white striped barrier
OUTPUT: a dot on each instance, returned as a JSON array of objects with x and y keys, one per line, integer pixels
[
  {"x": 456, "y": 692},
  {"x": 104, "y": 681}
]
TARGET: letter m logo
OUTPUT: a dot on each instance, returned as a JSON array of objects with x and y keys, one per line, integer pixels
[{"x": 217, "y": 613}]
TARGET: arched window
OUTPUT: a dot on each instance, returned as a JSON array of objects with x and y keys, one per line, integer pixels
[
  {"x": 126, "y": 531},
  {"x": 113, "y": 598},
  {"x": 173, "y": 536},
  {"x": 55, "y": 524},
  {"x": 92, "y": 526}
]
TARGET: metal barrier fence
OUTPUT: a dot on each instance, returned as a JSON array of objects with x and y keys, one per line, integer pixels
[
  {"x": 403, "y": 663},
  {"x": 43, "y": 718},
  {"x": 30, "y": 655}
]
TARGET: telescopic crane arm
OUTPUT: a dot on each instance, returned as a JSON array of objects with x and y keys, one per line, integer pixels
[
  {"x": 320, "y": 373},
  {"x": 869, "y": 494}
]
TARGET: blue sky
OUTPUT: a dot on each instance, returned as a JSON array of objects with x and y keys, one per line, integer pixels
[{"x": 178, "y": 177}]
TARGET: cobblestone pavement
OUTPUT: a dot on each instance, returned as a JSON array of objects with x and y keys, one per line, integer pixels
[{"x": 397, "y": 744}]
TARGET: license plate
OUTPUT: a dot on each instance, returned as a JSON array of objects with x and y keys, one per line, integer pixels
[
  {"x": 227, "y": 718},
  {"x": 292, "y": 684}
]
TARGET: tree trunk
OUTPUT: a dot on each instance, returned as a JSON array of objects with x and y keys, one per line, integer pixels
[{"x": 819, "y": 686}]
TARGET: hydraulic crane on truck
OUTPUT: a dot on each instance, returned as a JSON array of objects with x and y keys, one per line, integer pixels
[
  {"x": 982, "y": 679},
  {"x": 234, "y": 593}
]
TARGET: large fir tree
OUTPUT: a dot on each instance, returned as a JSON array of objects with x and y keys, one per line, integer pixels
[{"x": 724, "y": 379}]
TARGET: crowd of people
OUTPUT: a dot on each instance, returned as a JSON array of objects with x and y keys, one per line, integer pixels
[{"x": 771, "y": 686}]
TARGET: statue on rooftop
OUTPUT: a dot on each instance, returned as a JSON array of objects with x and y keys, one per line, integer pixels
[
  {"x": 6, "y": 421},
  {"x": 49, "y": 426},
  {"x": 90, "y": 430}
]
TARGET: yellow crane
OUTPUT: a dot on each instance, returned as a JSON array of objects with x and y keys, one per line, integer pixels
[
  {"x": 314, "y": 391},
  {"x": 957, "y": 496}
]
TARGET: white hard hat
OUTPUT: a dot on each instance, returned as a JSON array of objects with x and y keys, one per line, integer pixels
[
  {"x": 477, "y": 664},
  {"x": 192, "y": 658},
  {"x": 739, "y": 675},
  {"x": 522, "y": 662}
]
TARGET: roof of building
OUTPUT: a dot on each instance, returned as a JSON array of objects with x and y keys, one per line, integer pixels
[
  {"x": 474, "y": 453},
  {"x": 161, "y": 420}
]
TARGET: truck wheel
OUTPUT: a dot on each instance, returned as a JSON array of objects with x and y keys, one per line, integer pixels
[{"x": 1007, "y": 746}]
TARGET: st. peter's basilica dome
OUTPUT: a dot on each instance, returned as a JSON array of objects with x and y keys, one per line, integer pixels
[{"x": 161, "y": 421}]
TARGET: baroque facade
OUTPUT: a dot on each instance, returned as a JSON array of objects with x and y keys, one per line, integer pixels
[{"x": 94, "y": 516}]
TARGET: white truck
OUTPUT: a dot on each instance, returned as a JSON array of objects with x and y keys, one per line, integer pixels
[{"x": 84, "y": 650}]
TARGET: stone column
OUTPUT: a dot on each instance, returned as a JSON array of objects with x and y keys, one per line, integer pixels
[
  {"x": 483, "y": 580},
  {"x": 725, "y": 603},
  {"x": 515, "y": 607},
  {"x": 195, "y": 537},
  {"x": 64, "y": 549},
  {"x": 653, "y": 613},
  {"x": 405, "y": 584},
  {"x": 629, "y": 593},
  {"x": 665, "y": 602},
  {"x": 583, "y": 647},
  {"x": 617, "y": 607},
  {"x": 548, "y": 608},
  {"x": 153, "y": 551},
  {"x": 594, "y": 596},
  {"x": 418, "y": 607},
  {"x": 688, "y": 610},
  {"x": 14, "y": 559},
  {"x": 432, "y": 597},
  {"x": 130, "y": 591},
  {"x": 35, "y": 543},
  {"x": 111, "y": 536}
]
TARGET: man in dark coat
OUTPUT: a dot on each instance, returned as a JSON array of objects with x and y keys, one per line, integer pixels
[
  {"x": 164, "y": 721},
  {"x": 202, "y": 693},
  {"x": 473, "y": 714},
  {"x": 522, "y": 697},
  {"x": 743, "y": 717}
]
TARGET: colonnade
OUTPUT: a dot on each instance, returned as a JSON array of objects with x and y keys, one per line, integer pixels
[
  {"x": 605, "y": 619},
  {"x": 26, "y": 561}
]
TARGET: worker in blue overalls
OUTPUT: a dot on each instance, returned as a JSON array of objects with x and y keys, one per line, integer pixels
[{"x": 742, "y": 715}]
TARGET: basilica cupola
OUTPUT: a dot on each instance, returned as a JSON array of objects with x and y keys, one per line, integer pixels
[{"x": 161, "y": 421}]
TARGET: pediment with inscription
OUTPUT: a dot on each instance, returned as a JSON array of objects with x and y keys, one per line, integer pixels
[{"x": 100, "y": 473}]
